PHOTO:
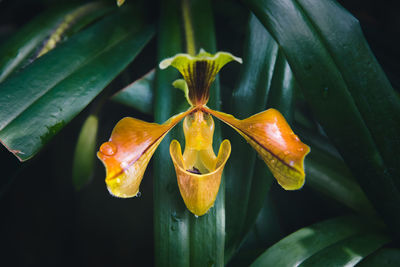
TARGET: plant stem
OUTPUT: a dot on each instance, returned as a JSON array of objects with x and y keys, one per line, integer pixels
[{"x": 189, "y": 34}]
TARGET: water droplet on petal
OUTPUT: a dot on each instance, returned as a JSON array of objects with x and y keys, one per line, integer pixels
[
  {"x": 286, "y": 152},
  {"x": 108, "y": 148},
  {"x": 196, "y": 216},
  {"x": 300, "y": 149},
  {"x": 138, "y": 194}
]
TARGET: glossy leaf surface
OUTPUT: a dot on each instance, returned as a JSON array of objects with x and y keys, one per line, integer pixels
[
  {"x": 346, "y": 89},
  {"x": 385, "y": 257},
  {"x": 84, "y": 156},
  {"x": 306, "y": 242},
  {"x": 348, "y": 252},
  {"x": 248, "y": 98},
  {"x": 171, "y": 231},
  {"x": 48, "y": 94},
  {"x": 182, "y": 239},
  {"x": 207, "y": 233},
  {"x": 139, "y": 94},
  {"x": 330, "y": 176},
  {"x": 44, "y": 32},
  {"x": 16, "y": 49}
]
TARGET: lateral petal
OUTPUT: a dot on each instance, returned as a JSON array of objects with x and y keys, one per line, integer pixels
[
  {"x": 271, "y": 136},
  {"x": 199, "y": 191},
  {"x": 128, "y": 151}
]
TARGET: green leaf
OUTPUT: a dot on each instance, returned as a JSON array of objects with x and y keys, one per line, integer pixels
[
  {"x": 385, "y": 257},
  {"x": 139, "y": 94},
  {"x": 330, "y": 176},
  {"x": 171, "y": 219},
  {"x": 265, "y": 74},
  {"x": 306, "y": 242},
  {"x": 70, "y": 24},
  {"x": 50, "y": 26},
  {"x": 207, "y": 233},
  {"x": 346, "y": 89},
  {"x": 248, "y": 98},
  {"x": 48, "y": 94},
  {"x": 280, "y": 97},
  {"x": 85, "y": 153},
  {"x": 282, "y": 93},
  {"x": 182, "y": 239},
  {"x": 21, "y": 45},
  {"x": 348, "y": 252}
]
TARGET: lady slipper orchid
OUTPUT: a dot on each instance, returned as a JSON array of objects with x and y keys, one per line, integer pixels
[{"x": 198, "y": 170}]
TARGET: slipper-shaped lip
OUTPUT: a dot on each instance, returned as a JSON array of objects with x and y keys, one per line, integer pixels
[{"x": 199, "y": 191}]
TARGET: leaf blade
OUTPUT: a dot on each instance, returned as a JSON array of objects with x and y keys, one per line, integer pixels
[
  {"x": 45, "y": 107},
  {"x": 171, "y": 219},
  {"x": 309, "y": 240},
  {"x": 249, "y": 97},
  {"x": 83, "y": 163},
  {"x": 22, "y": 44},
  {"x": 139, "y": 94},
  {"x": 348, "y": 252},
  {"x": 324, "y": 86}
]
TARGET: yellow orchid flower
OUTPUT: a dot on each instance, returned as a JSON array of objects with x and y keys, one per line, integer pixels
[{"x": 198, "y": 170}]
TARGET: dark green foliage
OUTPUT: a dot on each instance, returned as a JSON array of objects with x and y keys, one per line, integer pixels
[{"x": 308, "y": 59}]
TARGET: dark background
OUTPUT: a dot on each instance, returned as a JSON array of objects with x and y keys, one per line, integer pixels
[{"x": 44, "y": 221}]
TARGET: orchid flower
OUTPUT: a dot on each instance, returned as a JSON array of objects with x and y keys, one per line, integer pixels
[{"x": 198, "y": 170}]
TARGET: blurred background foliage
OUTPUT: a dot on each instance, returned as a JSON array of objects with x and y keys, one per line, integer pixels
[{"x": 50, "y": 218}]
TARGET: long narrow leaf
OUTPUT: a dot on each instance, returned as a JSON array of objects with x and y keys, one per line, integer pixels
[
  {"x": 249, "y": 97},
  {"x": 44, "y": 32},
  {"x": 282, "y": 93},
  {"x": 139, "y": 94},
  {"x": 171, "y": 219},
  {"x": 47, "y": 95},
  {"x": 385, "y": 257},
  {"x": 330, "y": 176},
  {"x": 21, "y": 45},
  {"x": 181, "y": 238},
  {"x": 85, "y": 151},
  {"x": 280, "y": 97},
  {"x": 349, "y": 251},
  {"x": 299, "y": 246},
  {"x": 372, "y": 92},
  {"x": 342, "y": 92},
  {"x": 207, "y": 233}
]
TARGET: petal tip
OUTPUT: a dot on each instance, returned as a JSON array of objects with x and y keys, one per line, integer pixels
[{"x": 165, "y": 63}]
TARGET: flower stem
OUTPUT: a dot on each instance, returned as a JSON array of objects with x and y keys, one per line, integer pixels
[{"x": 190, "y": 43}]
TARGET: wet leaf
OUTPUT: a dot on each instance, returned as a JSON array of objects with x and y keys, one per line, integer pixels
[{"x": 48, "y": 94}]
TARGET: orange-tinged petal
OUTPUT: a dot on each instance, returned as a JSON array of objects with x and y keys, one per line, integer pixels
[
  {"x": 271, "y": 136},
  {"x": 199, "y": 191},
  {"x": 128, "y": 151}
]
